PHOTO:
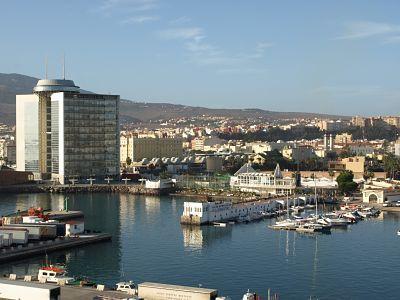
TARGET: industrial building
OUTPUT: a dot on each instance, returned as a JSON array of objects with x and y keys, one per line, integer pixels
[
  {"x": 159, "y": 291},
  {"x": 12, "y": 289}
]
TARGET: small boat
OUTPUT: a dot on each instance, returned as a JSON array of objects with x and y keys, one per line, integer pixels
[
  {"x": 398, "y": 232},
  {"x": 305, "y": 228},
  {"x": 54, "y": 274},
  {"x": 219, "y": 224},
  {"x": 249, "y": 296},
  {"x": 336, "y": 221},
  {"x": 82, "y": 281},
  {"x": 127, "y": 286}
]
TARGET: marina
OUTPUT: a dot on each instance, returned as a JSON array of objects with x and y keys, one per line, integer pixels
[{"x": 261, "y": 258}]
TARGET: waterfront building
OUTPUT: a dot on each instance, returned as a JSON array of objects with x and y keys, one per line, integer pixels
[
  {"x": 247, "y": 180},
  {"x": 379, "y": 192},
  {"x": 64, "y": 132},
  {"x": 84, "y": 136},
  {"x": 199, "y": 213}
]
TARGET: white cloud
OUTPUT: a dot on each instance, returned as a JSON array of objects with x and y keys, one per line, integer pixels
[
  {"x": 139, "y": 19},
  {"x": 122, "y": 6},
  {"x": 180, "y": 20},
  {"x": 242, "y": 71},
  {"x": 183, "y": 33},
  {"x": 392, "y": 39},
  {"x": 362, "y": 30}
]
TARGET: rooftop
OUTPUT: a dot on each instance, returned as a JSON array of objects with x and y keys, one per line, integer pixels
[
  {"x": 177, "y": 287},
  {"x": 55, "y": 85}
]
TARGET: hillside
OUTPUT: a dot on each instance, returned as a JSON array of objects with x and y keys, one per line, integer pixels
[{"x": 12, "y": 84}]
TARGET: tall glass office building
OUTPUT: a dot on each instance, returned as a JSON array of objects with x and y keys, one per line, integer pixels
[
  {"x": 64, "y": 133},
  {"x": 84, "y": 136},
  {"x": 27, "y": 135}
]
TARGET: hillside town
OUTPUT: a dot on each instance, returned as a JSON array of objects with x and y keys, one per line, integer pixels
[{"x": 221, "y": 154}]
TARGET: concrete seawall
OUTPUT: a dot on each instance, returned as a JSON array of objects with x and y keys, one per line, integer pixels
[
  {"x": 134, "y": 189},
  {"x": 43, "y": 247}
]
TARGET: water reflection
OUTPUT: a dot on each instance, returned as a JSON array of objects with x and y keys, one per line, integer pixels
[{"x": 198, "y": 237}]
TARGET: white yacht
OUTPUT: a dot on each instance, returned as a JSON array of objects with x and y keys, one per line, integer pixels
[
  {"x": 249, "y": 296},
  {"x": 127, "y": 286}
]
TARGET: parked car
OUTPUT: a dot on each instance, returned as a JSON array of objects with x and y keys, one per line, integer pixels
[{"x": 398, "y": 204}]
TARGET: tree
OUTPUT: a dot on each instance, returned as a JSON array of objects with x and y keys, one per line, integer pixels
[
  {"x": 331, "y": 173},
  {"x": 391, "y": 164},
  {"x": 368, "y": 175},
  {"x": 345, "y": 182},
  {"x": 128, "y": 161}
]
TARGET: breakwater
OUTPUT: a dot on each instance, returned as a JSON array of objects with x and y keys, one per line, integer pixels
[{"x": 135, "y": 189}]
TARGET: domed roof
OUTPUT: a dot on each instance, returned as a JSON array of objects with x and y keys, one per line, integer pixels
[{"x": 55, "y": 85}]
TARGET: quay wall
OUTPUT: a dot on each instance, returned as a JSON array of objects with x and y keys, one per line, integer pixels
[
  {"x": 116, "y": 188},
  {"x": 20, "y": 252}
]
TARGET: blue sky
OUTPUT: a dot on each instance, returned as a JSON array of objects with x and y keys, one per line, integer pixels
[{"x": 337, "y": 57}]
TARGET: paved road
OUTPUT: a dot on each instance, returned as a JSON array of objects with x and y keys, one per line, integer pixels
[{"x": 73, "y": 293}]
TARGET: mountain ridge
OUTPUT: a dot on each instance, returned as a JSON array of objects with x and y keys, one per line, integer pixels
[{"x": 134, "y": 111}]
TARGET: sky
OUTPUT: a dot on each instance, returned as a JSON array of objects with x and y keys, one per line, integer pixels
[{"x": 335, "y": 57}]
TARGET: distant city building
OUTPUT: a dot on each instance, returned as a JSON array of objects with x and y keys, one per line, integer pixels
[
  {"x": 355, "y": 164},
  {"x": 139, "y": 148},
  {"x": 63, "y": 132},
  {"x": 344, "y": 138},
  {"x": 328, "y": 142},
  {"x": 330, "y": 125},
  {"x": 298, "y": 153},
  {"x": 394, "y": 121},
  {"x": 358, "y": 121},
  {"x": 197, "y": 144},
  {"x": 397, "y": 148},
  {"x": 10, "y": 152}
]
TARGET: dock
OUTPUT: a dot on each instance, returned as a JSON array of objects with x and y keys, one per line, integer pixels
[
  {"x": 43, "y": 247},
  {"x": 87, "y": 293}
]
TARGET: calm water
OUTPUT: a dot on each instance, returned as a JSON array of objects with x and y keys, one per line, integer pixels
[{"x": 149, "y": 244}]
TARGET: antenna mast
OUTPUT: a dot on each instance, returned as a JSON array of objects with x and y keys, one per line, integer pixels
[
  {"x": 63, "y": 66},
  {"x": 45, "y": 68}
]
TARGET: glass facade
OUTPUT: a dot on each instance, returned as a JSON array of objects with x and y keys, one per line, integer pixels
[
  {"x": 31, "y": 136},
  {"x": 89, "y": 126}
]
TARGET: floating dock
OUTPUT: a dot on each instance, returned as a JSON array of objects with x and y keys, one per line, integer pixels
[{"x": 43, "y": 247}]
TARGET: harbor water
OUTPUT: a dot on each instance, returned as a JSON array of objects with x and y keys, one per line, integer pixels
[{"x": 149, "y": 244}]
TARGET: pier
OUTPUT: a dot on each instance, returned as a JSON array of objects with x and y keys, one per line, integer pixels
[{"x": 43, "y": 247}]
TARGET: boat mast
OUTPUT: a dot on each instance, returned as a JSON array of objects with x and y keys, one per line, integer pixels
[
  {"x": 315, "y": 197},
  {"x": 287, "y": 204}
]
